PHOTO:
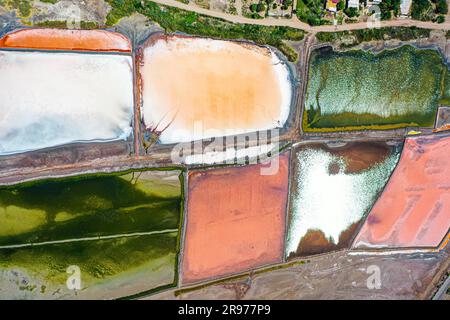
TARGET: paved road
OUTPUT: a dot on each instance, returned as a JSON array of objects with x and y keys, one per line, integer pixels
[{"x": 294, "y": 22}]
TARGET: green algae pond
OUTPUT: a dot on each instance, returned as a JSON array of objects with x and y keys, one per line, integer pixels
[
  {"x": 121, "y": 230},
  {"x": 356, "y": 90}
]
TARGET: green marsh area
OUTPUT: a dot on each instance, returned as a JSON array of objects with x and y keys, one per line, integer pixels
[
  {"x": 66, "y": 213},
  {"x": 356, "y": 90},
  {"x": 173, "y": 19}
]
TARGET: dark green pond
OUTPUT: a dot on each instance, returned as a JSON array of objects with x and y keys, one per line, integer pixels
[
  {"x": 358, "y": 88},
  {"x": 88, "y": 206}
]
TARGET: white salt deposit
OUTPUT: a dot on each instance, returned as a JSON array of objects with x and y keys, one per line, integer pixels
[
  {"x": 230, "y": 154},
  {"x": 50, "y": 99},
  {"x": 332, "y": 202}
]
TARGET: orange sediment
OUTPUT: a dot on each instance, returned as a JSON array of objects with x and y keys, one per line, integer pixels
[
  {"x": 445, "y": 127},
  {"x": 235, "y": 220},
  {"x": 61, "y": 39},
  {"x": 444, "y": 243},
  {"x": 414, "y": 209}
]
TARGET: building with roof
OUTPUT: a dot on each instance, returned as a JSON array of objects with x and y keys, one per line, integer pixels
[
  {"x": 332, "y": 5},
  {"x": 405, "y": 7}
]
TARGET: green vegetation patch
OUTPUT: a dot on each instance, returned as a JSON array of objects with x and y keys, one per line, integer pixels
[
  {"x": 108, "y": 268},
  {"x": 87, "y": 206},
  {"x": 389, "y": 8},
  {"x": 445, "y": 97},
  {"x": 85, "y": 25},
  {"x": 22, "y": 7},
  {"x": 355, "y": 37},
  {"x": 50, "y": 1},
  {"x": 399, "y": 87},
  {"x": 312, "y": 12},
  {"x": 429, "y": 10},
  {"x": 174, "y": 19}
]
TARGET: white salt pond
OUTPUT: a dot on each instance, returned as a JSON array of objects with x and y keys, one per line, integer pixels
[
  {"x": 202, "y": 88},
  {"x": 332, "y": 202},
  {"x": 53, "y": 98}
]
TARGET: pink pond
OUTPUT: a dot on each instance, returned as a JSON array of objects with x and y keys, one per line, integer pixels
[{"x": 414, "y": 209}]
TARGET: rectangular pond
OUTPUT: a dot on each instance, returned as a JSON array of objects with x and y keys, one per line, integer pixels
[
  {"x": 54, "y": 98},
  {"x": 197, "y": 88},
  {"x": 333, "y": 189},
  {"x": 118, "y": 228},
  {"x": 362, "y": 90},
  {"x": 235, "y": 219}
]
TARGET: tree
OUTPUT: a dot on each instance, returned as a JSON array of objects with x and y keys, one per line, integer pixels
[
  {"x": 341, "y": 5},
  {"x": 440, "y": 19},
  {"x": 441, "y": 7},
  {"x": 351, "y": 12},
  {"x": 260, "y": 7},
  {"x": 388, "y": 6},
  {"x": 419, "y": 8}
]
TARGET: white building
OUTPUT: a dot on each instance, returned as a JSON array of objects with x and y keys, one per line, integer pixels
[
  {"x": 353, "y": 4},
  {"x": 405, "y": 7}
]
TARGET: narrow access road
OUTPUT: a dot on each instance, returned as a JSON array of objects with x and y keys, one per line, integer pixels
[
  {"x": 442, "y": 290},
  {"x": 294, "y": 22},
  {"x": 123, "y": 235}
]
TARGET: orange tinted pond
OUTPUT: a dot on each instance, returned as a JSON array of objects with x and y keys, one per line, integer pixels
[
  {"x": 62, "y": 39},
  {"x": 202, "y": 88},
  {"x": 235, "y": 220}
]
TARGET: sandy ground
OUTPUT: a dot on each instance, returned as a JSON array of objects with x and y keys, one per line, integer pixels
[
  {"x": 60, "y": 39},
  {"x": 361, "y": 156},
  {"x": 72, "y": 11},
  {"x": 414, "y": 208},
  {"x": 337, "y": 275},
  {"x": 235, "y": 220},
  {"x": 203, "y": 88}
]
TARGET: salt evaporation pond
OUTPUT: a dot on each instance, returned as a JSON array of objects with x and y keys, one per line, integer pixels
[
  {"x": 356, "y": 88},
  {"x": 54, "y": 98},
  {"x": 63, "y": 39},
  {"x": 414, "y": 208},
  {"x": 235, "y": 220},
  {"x": 203, "y": 88},
  {"x": 333, "y": 190},
  {"x": 48, "y": 225}
]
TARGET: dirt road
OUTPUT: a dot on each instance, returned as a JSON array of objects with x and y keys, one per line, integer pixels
[{"x": 401, "y": 276}]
